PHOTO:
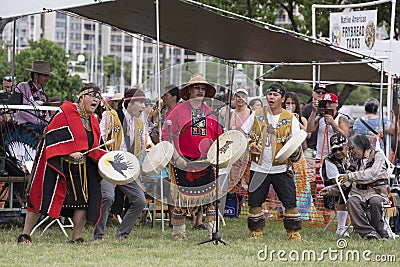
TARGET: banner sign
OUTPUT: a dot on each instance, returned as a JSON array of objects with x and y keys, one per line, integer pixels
[{"x": 353, "y": 30}]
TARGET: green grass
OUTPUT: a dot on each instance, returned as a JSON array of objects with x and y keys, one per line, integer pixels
[{"x": 150, "y": 247}]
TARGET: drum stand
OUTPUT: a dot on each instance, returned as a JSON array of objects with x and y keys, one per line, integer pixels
[{"x": 216, "y": 237}]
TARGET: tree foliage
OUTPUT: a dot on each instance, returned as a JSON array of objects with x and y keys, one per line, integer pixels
[
  {"x": 62, "y": 84},
  {"x": 267, "y": 10}
]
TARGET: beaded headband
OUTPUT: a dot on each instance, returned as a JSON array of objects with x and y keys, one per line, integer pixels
[{"x": 86, "y": 91}]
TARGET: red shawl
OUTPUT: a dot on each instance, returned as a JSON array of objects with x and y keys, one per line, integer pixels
[{"x": 65, "y": 134}]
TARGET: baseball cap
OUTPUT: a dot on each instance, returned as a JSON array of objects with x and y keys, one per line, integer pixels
[
  {"x": 242, "y": 90},
  {"x": 320, "y": 86},
  {"x": 330, "y": 97},
  {"x": 337, "y": 140}
]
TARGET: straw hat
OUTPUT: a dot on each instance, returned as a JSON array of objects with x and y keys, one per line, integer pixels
[
  {"x": 42, "y": 67},
  {"x": 117, "y": 97},
  {"x": 197, "y": 78}
]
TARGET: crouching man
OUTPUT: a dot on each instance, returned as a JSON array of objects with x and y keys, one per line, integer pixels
[{"x": 369, "y": 187}]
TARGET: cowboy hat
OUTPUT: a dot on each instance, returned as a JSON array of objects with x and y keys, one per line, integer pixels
[
  {"x": 117, "y": 97},
  {"x": 42, "y": 67},
  {"x": 197, "y": 78}
]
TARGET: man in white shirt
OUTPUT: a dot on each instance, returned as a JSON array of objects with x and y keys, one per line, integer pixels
[
  {"x": 135, "y": 138},
  {"x": 274, "y": 126}
]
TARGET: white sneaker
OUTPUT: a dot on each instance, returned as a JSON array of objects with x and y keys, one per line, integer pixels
[{"x": 342, "y": 232}]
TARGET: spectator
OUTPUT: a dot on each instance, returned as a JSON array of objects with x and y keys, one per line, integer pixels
[
  {"x": 8, "y": 84},
  {"x": 34, "y": 94},
  {"x": 371, "y": 125},
  {"x": 255, "y": 104}
]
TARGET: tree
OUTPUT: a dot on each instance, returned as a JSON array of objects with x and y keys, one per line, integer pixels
[
  {"x": 61, "y": 84},
  {"x": 268, "y": 10}
]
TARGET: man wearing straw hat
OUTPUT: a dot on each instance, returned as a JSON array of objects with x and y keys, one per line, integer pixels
[
  {"x": 33, "y": 94},
  {"x": 194, "y": 131}
]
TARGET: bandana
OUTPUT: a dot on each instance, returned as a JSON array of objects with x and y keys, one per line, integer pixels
[
  {"x": 86, "y": 91},
  {"x": 276, "y": 89}
]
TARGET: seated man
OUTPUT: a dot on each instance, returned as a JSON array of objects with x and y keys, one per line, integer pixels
[
  {"x": 369, "y": 186},
  {"x": 336, "y": 163},
  {"x": 34, "y": 95}
]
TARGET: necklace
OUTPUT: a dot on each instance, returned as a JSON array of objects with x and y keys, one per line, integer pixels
[{"x": 85, "y": 118}]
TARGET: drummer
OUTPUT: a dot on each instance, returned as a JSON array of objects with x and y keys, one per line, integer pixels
[
  {"x": 65, "y": 181},
  {"x": 277, "y": 126},
  {"x": 134, "y": 138},
  {"x": 192, "y": 141}
]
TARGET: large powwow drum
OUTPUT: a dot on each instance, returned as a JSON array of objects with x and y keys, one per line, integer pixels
[
  {"x": 232, "y": 145},
  {"x": 158, "y": 157},
  {"x": 290, "y": 147},
  {"x": 119, "y": 167}
]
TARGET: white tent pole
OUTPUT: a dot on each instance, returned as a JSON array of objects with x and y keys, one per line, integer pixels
[
  {"x": 381, "y": 96},
  {"x": 122, "y": 80},
  {"x": 260, "y": 88},
  {"x": 373, "y": 3},
  {"x": 158, "y": 87},
  {"x": 102, "y": 85},
  {"x": 314, "y": 34},
  {"x": 140, "y": 79},
  {"x": 182, "y": 61},
  {"x": 389, "y": 87},
  {"x": 13, "y": 55},
  {"x": 171, "y": 62},
  {"x": 96, "y": 53},
  {"x": 134, "y": 62},
  {"x": 254, "y": 90}
]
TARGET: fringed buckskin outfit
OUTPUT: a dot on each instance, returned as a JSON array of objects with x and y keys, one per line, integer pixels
[
  {"x": 273, "y": 131},
  {"x": 193, "y": 187},
  {"x": 369, "y": 187},
  {"x": 59, "y": 184}
]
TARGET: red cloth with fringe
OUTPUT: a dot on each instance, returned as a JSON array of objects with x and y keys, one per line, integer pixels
[{"x": 65, "y": 135}]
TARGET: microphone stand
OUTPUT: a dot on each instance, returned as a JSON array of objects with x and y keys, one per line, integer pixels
[{"x": 216, "y": 237}]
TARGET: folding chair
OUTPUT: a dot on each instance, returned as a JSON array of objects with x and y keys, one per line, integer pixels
[{"x": 60, "y": 221}]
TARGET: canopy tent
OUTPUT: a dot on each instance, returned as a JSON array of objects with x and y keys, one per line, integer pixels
[
  {"x": 184, "y": 25},
  {"x": 18, "y": 8},
  {"x": 198, "y": 29},
  {"x": 344, "y": 72}
]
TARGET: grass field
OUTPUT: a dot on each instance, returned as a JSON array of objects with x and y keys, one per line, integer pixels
[{"x": 150, "y": 247}]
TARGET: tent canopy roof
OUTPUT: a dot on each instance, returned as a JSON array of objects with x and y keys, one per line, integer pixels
[
  {"x": 189, "y": 26},
  {"x": 362, "y": 73}
]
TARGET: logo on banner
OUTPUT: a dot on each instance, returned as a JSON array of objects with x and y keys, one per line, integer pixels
[{"x": 354, "y": 30}]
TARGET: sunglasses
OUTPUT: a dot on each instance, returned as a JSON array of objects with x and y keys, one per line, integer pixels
[
  {"x": 320, "y": 92},
  {"x": 94, "y": 95},
  {"x": 337, "y": 149}
]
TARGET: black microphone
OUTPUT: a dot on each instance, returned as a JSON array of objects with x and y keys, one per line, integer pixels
[{"x": 169, "y": 123}]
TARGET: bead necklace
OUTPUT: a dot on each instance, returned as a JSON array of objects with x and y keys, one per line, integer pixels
[{"x": 85, "y": 118}]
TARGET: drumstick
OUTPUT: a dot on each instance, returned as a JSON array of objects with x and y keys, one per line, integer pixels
[
  {"x": 200, "y": 161},
  {"x": 109, "y": 142},
  {"x": 340, "y": 188}
]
